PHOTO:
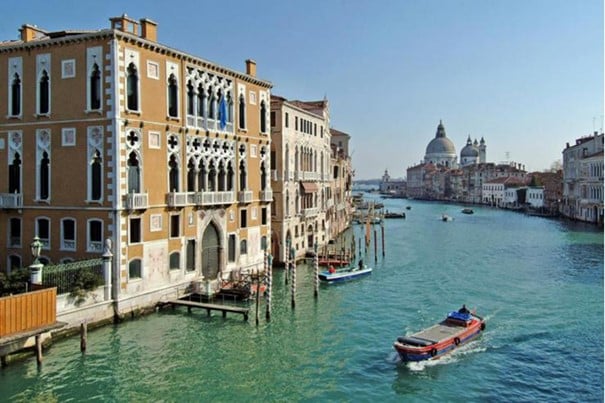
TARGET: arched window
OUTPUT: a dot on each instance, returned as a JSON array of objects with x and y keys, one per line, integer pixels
[
  {"x": 134, "y": 269},
  {"x": 95, "y": 236},
  {"x": 173, "y": 177},
  {"x": 14, "y": 175},
  {"x": 173, "y": 105},
  {"x": 191, "y": 175},
  {"x": 212, "y": 177},
  {"x": 230, "y": 175},
  {"x": 16, "y": 96},
  {"x": 263, "y": 176},
  {"x": 68, "y": 234},
  {"x": 44, "y": 176},
  {"x": 263, "y": 117},
  {"x": 242, "y": 176},
  {"x": 44, "y": 93},
  {"x": 202, "y": 177},
  {"x": 201, "y": 101},
  {"x": 95, "y": 88},
  {"x": 242, "y": 112},
  {"x": 243, "y": 247},
  {"x": 132, "y": 90},
  {"x": 14, "y": 263},
  {"x": 175, "y": 261},
  {"x": 190, "y": 98},
  {"x": 96, "y": 176},
  {"x": 221, "y": 176},
  {"x": 211, "y": 104},
  {"x": 134, "y": 173}
]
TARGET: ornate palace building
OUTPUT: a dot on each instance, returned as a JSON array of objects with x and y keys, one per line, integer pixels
[{"x": 109, "y": 134}]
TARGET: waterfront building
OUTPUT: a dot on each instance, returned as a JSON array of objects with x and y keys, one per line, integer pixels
[
  {"x": 441, "y": 150},
  {"x": 583, "y": 179},
  {"x": 301, "y": 176},
  {"x": 340, "y": 204},
  {"x": 535, "y": 197},
  {"x": 392, "y": 186},
  {"x": 502, "y": 191},
  {"x": 111, "y": 135}
]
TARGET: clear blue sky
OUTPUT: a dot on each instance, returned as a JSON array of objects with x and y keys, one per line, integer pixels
[{"x": 527, "y": 75}]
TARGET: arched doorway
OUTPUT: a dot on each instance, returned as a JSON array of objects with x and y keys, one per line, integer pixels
[{"x": 210, "y": 252}]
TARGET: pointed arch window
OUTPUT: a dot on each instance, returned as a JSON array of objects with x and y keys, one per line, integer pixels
[
  {"x": 202, "y": 177},
  {"x": 191, "y": 175},
  {"x": 221, "y": 176},
  {"x": 95, "y": 88},
  {"x": 212, "y": 177},
  {"x": 230, "y": 177},
  {"x": 263, "y": 117},
  {"x": 201, "y": 101},
  {"x": 132, "y": 90},
  {"x": 96, "y": 176},
  {"x": 14, "y": 175},
  {"x": 211, "y": 104},
  {"x": 242, "y": 176},
  {"x": 44, "y": 93},
  {"x": 173, "y": 176},
  {"x": 134, "y": 173},
  {"x": 263, "y": 176},
  {"x": 44, "y": 177},
  {"x": 15, "y": 96},
  {"x": 242, "y": 112},
  {"x": 173, "y": 104},
  {"x": 190, "y": 98}
]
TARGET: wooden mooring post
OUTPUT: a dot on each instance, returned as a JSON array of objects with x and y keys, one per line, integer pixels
[
  {"x": 39, "y": 349},
  {"x": 269, "y": 274},
  {"x": 382, "y": 231},
  {"x": 293, "y": 274},
  {"x": 316, "y": 272},
  {"x": 375, "y": 246},
  {"x": 83, "y": 336}
]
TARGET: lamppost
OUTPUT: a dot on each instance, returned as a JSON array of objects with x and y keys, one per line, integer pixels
[{"x": 36, "y": 267}]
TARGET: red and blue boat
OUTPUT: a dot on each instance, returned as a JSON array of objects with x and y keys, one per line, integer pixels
[{"x": 458, "y": 328}]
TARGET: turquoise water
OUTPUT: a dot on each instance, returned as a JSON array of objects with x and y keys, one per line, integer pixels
[{"x": 538, "y": 282}]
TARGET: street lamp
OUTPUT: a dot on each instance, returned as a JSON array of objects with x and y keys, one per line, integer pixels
[{"x": 36, "y": 266}]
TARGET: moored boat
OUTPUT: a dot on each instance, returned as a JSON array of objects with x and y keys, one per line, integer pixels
[
  {"x": 344, "y": 274},
  {"x": 457, "y": 329},
  {"x": 467, "y": 211}
]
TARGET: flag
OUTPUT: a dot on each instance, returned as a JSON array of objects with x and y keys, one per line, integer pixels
[{"x": 222, "y": 113}]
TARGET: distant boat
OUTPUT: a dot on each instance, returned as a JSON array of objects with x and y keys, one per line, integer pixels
[
  {"x": 432, "y": 343},
  {"x": 467, "y": 211},
  {"x": 445, "y": 217},
  {"x": 394, "y": 215},
  {"x": 408, "y": 207},
  {"x": 344, "y": 274}
]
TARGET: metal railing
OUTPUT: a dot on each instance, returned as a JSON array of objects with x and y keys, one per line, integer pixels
[
  {"x": 69, "y": 276},
  {"x": 11, "y": 200}
]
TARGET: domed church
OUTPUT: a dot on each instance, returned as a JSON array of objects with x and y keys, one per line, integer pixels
[
  {"x": 473, "y": 153},
  {"x": 441, "y": 150}
]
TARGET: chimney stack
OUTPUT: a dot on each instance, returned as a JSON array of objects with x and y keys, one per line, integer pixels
[
  {"x": 251, "y": 67},
  {"x": 30, "y": 32},
  {"x": 149, "y": 29}
]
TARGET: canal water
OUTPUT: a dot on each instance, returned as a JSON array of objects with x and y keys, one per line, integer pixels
[{"x": 538, "y": 282}]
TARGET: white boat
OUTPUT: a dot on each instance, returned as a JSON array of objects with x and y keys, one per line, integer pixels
[{"x": 344, "y": 274}]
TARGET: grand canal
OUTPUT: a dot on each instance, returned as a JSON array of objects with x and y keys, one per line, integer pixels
[{"x": 538, "y": 282}]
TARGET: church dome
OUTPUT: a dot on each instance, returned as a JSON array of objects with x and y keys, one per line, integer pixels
[
  {"x": 470, "y": 150},
  {"x": 440, "y": 144}
]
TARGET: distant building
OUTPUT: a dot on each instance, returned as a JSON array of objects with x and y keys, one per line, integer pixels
[
  {"x": 583, "y": 179},
  {"x": 441, "y": 150},
  {"x": 392, "y": 186}
]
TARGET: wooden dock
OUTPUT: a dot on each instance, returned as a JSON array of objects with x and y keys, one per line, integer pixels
[{"x": 210, "y": 307}]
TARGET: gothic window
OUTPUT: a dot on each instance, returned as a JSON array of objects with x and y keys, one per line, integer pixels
[
  {"x": 263, "y": 117},
  {"x": 191, "y": 175},
  {"x": 263, "y": 176},
  {"x": 190, "y": 98},
  {"x": 212, "y": 177},
  {"x": 211, "y": 104},
  {"x": 173, "y": 106},
  {"x": 229, "y": 108},
  {"x": 202, "y": 177},
  {"x": 96, "y": 173},
  {"x": 242, "y": 112},
  {"x": 242, "y": 176},
  {"x": 95, "y": 88},
  {"x": 173, "y": 176},
  {"x": 44, "y": 93},
  {"x": 134, "y": 173},
  {"x": 14, "y": 175},
  {"x": 44, "y": 177},
  {"x": 201, "y": 101},
  {"x": 221, "y": 176},
  {"x": 132, "y": 90},
  {"x": 230, "y": 176},
  {"x": 15, "y": 96}
]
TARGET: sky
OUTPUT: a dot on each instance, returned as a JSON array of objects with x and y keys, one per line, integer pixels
[{"x": 526, "y": 75}]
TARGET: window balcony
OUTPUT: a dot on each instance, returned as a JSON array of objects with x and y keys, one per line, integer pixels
[
  {"x": 68, "y": 244},
  {"x": 213, "y": 198},
  {"x": 310, "y": 212},
  {"x": 244, "y": 196},
  {"x": 177, "y": 199},
  {"x": 95, "y": 246},
  {"x": 266, "y": 195},
  {"x": 11, "y": 200},
  {"x": 136, "y": 201}
]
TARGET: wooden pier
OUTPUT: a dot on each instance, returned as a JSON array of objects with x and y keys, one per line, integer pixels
[{"x": 210, "y": 307}]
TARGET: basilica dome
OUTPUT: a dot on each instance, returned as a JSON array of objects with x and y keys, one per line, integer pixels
[
  {"x": 470, "y": 150},
  {"x": 441, "y": 150}
]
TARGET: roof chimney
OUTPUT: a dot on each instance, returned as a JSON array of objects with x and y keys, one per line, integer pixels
[
  {"x": 251, "y": 67},
  {"x": 30, "y": 32},
  {"x": 125, "y": 24},
  {"x": 149, "y": 30}
]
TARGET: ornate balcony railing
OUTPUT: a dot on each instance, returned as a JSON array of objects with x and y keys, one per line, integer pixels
[
  {"x": 214, "y": 198},
  {"x": 244, "y": 196},
  {"x": 11, "y": 200},
  {"x": 310, "y": 212},
  {"x": 266, "y": 195},
  {"x": 177, "y": 199},
  {"x": 136, "y": 201}
]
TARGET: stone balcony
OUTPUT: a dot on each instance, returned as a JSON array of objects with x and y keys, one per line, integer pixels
[
  {"x": 136, "y": 201},
  {"x": 11, "y": 200}
]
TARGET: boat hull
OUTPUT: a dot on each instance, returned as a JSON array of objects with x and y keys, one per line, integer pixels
[
  {"x": 342, "y": 276},
  {"x": 430, "y": 349}
]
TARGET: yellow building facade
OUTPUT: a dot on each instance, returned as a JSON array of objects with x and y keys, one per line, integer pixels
[{"x": 110, "y": 140}]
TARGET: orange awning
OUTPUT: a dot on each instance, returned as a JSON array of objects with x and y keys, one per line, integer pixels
[{"x": 310, "y": 187}]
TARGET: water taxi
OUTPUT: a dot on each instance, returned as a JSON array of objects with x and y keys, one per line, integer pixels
[{"x": 344, "y": 274}]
